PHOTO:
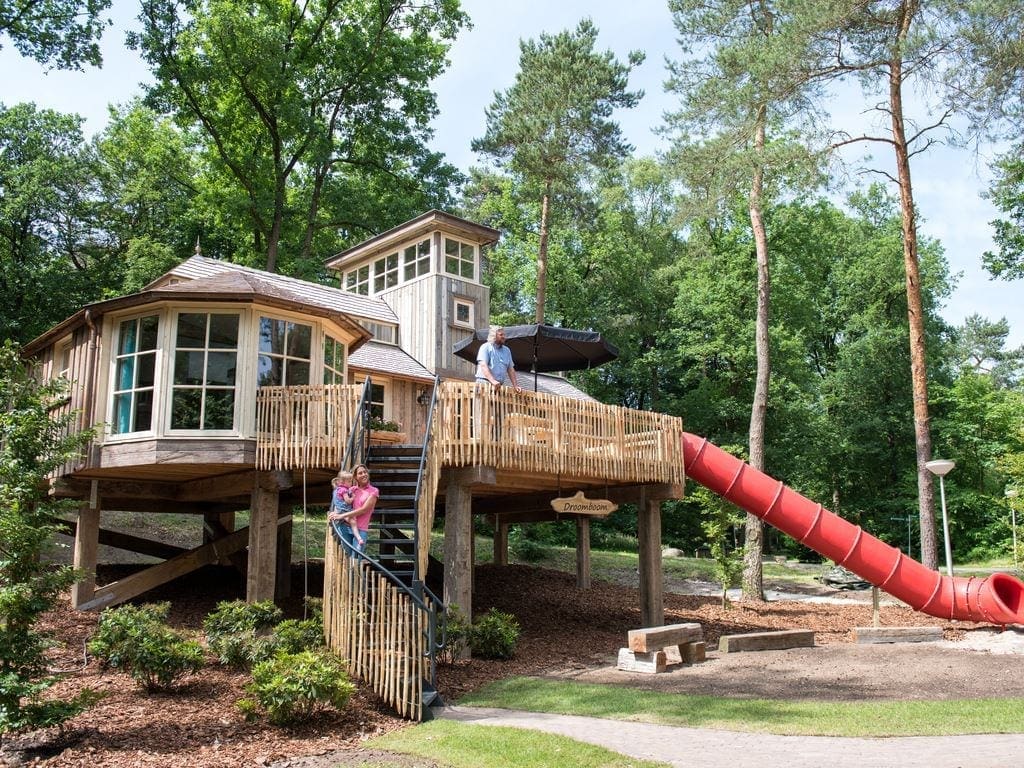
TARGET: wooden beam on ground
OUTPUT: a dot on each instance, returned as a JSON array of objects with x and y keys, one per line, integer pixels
[
  {"x": 652, "y": 588},
  {"x": 87, "y": 533},
  {"x": 865, "y": 635},
  {"x": 583, "y": 553},
  {"x": 154, "y": 576},
  {"x": 767, "y": 641},
  {"x": 657, "y": 638},
  {"x": 124, "y": 541}
]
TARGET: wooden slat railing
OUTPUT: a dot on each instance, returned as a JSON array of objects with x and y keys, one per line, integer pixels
[
  {"x": 304, "y": 425},
  {"x": 380, "y": 629},
  {"x": 528, "y": 432},
  {"x": 536, "y": 432}
]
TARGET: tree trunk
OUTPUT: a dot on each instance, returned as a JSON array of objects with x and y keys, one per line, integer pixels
[
  {"x": 542, "y": 252},
  {"x": 753, "y": 582},
  {"x": 915, "y": 312}
]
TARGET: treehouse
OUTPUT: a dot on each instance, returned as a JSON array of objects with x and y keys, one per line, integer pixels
[{"x": 220, "y": 389}]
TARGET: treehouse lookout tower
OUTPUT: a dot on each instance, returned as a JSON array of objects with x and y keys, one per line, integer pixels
[{"x": 220, "y": 388}]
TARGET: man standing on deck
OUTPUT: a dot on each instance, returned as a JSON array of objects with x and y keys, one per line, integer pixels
[
  {"x": 494, "y": 361},
  {"x": 493, "y": 366}
]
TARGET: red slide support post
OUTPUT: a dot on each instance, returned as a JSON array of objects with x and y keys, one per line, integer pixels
[{"x": 998, "y": 599}]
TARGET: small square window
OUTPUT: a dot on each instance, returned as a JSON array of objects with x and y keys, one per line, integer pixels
[{"x": 463, "y": 314}]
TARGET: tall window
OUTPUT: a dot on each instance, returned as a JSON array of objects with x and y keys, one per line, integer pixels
[
  {"x": 385, "y": 272},
  {"x": 284, "y": 355},
  {"x": 205, "y": 364},
  {"x": 63, "y": 361},
  {"x": 377, "y": 393},
  {"x": 459, "y": 259},
  {"x": 358, "y": 280},
  {"x": 334, "y": 361},
  {"x": 134, "y": 375},
  {"x": 416, "y": 260}
]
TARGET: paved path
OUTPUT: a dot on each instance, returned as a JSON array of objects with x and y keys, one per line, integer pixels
[{"x": 689, "y": 747}]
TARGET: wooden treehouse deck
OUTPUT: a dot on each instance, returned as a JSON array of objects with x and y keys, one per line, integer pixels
[{"x": 502, "y": 454}]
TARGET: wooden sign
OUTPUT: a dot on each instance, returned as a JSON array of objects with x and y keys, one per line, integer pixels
[{"x": 581, "y": 505}]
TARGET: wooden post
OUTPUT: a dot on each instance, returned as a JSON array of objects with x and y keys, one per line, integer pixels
[
  {"x": 87, "y": 540},
  {"x": 458, "y": 565},
  {"x": 259, "y": 583},
  {"x": 652, "y": 604},
  {"x": 500, "y": 541},
  {"x": 583, "y": 552}
]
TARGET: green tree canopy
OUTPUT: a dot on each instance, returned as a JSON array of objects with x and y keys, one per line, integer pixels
[
  {"x": 62, "y": 33},
  {"x": 306, "y": 111},
  {"x": 553, "y": 127}
]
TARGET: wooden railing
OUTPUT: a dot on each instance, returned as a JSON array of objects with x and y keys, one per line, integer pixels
[
  {"x": 526, "y": 432},
  {"x": 304, "y": 425},
  {"x": 542, "y": 433},
  {"x": 385, "y": 633}
]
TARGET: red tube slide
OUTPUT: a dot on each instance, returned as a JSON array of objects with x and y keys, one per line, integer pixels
[{"x": 998, "y": 599}]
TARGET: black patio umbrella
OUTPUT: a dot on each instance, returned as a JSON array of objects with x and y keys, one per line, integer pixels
[{"x": 543, "y": 348}]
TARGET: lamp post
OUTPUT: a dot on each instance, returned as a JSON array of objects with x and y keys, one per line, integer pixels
[
  {"x": 1011, "y": 494},
  {"x": 943, "y": 467}
]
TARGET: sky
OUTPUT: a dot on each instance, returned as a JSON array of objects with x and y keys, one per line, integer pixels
[{"x": 948, "y": 183}]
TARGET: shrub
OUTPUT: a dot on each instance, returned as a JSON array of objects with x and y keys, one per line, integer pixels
[
  {"x": 240, "y": 633},
  {"x": 135, "y": 640},
  {"x": 523, "y": 547},
  {"x": 494, "y": 635},
  {"x": 456, "y": 636},
  {"x": 293, "y": 686},
  {"x": 294, "y": 635},
  {"x": 34, "y": 442}
]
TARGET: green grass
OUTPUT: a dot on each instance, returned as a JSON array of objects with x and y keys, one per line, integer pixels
[
  {"x": 805, "y": 718},
  {"x": 469, "y": 746}
]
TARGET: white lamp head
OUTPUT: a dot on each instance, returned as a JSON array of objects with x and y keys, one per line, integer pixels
[
  {"x": 1011, "y": 493},
  {"x": 940, "y": 467}
]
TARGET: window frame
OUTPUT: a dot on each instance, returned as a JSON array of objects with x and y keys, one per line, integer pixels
[
  {"x": 117, "y": 357},
  {"x": 459, "y": 301},
  {"x": 315, "y": 329},
  {"x": 460, "y": 259},
  {"x": 172, "y": 371}
]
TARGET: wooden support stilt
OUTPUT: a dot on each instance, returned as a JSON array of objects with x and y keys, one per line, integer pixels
[
  {"x": 458, "y": 551},
  {"x": 500, "y": 541},
  {"x": 283, "y": 586},
  {"x": 583, "y": 552},
  {"x": 652, "y": 601},
  {"x": 87, "y": 538},
  {"x": 262, "y": 570}
]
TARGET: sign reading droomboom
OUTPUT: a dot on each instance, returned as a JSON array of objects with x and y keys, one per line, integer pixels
[{"x": 581, "y": 505}]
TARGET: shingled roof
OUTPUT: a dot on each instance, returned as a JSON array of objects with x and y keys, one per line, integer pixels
[{"x": 312, "y": 294}]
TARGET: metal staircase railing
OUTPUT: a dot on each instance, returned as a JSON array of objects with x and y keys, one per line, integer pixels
[{"x": 389, "y": 631}]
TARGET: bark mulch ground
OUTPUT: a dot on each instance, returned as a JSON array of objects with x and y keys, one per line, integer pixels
[{"x": 565, "y": 633}]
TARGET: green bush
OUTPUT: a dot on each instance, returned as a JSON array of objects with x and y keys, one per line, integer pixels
[
  {"x": 457, "y": 631},
  {"x": 241, "y": 633},
  {"x": 494, "y": 635},
  {"x": 294, "y": 635},
  {"x": 35, "y": 441},
  {"x": 136, "y": 640},
  {"x": 291, "y": 687},
  {"x": 523, "y": 547}
]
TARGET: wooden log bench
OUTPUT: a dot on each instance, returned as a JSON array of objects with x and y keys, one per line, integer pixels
[
  {"x": 653, "y": 649},
  {"x": 767, "y": 641}
]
